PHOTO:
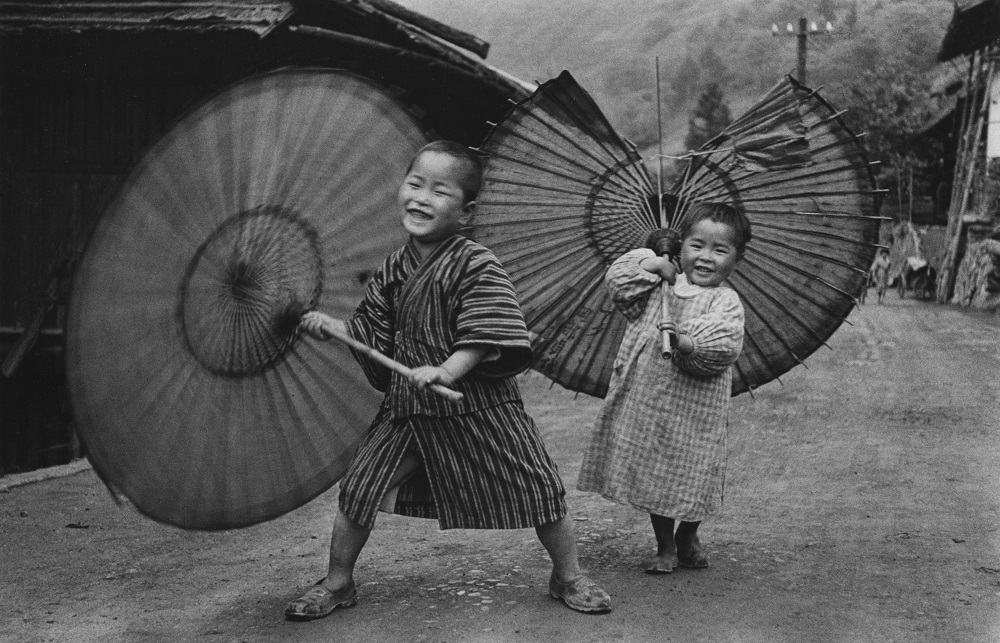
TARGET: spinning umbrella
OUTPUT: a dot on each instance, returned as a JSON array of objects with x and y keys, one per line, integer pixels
[
  {"x": 565, "y": 196},
  {"x": 194, "y": 394}
]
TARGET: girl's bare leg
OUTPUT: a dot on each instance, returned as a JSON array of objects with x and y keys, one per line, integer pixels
[{"x": 665, "y": 560}]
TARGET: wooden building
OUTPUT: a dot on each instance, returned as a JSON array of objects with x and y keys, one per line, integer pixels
[
  {"x": 86, "y": 85},
  {"x": 970, "y": 119}
]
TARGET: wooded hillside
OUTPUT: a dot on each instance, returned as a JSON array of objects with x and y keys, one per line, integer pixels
[{"x": 611, "y": 46}]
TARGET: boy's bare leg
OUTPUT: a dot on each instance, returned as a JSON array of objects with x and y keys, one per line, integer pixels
[
  {"x": 558, "y": 539},
  {"x": 346, "y": 542},
  {"x": 568, "y": 583},
  {"x": 689, "y": 551},
  {"x": 665, "y": 560}
]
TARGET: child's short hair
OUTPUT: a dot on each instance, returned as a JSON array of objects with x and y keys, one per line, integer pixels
[
  {"x": 472, "y": 179},
  {"x": 729, "y": 215}
]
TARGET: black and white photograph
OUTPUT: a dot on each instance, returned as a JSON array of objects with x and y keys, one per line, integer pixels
[{"x": 522, "y": 321}]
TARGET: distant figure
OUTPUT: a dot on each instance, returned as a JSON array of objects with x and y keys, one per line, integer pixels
[
  {"x": 879, "y": 274},
  {"x": 659, "y": 443},
  {"x": 443, "y": 306},
  {"x": 919, "y": 276}
]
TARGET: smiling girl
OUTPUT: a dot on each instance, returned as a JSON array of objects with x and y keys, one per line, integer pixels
[{"x": 659, "y": 443}]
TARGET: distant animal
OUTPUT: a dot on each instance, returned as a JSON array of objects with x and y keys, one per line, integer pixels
[{"x": 918, "y": 277}]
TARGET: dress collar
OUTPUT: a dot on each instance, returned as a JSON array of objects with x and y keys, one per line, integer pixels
[{"x": 685, "y": 289}]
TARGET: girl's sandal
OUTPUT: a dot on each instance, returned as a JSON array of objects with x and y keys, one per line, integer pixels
[
  {"x": 319, "y": 602},
  {"x": 694, "y": 558},
  {"x": 663, "y": 565}
]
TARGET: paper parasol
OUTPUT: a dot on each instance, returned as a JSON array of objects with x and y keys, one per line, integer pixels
[
  {"x": 565, "y": 196},
  {"x": 194, "y": 394}
]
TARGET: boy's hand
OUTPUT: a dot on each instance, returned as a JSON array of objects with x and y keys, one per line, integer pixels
[
  {"x": 424, "y": 376},
  {"x": 661, "y": 266},
  {"x": 315, "y": 324}
]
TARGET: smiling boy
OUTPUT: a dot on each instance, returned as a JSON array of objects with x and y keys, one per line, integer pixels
[{"x": 443, "y": 306}]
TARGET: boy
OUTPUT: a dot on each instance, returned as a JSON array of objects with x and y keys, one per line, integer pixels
[{"x": 443, "y": 306}]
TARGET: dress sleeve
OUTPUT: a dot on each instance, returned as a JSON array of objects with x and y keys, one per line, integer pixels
[
  {"x": 373, "y": 324},
  {"x": 489, "y": 313},
  {"x": 629, "y": 284},
  {"x": 717, "y": 336}
]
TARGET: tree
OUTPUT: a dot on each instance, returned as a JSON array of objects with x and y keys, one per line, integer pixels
[{"x": 711, "y": 116}]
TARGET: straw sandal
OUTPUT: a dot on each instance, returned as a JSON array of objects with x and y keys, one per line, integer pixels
[
  {"x": 693, "y": 558},
  {"x": 580, "y": 594},
  {"x": 319, "y": 602},
  {"x": 663, "y": 565}
]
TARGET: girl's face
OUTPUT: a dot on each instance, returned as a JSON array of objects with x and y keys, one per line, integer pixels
[
  {"x": 432, "y": 199},
  {"x": 709, "y": 253}
]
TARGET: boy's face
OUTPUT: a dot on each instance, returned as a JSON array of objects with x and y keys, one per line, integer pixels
[
  {"x": 432, "y": 199},
  {"x": 709, "y": 253}
]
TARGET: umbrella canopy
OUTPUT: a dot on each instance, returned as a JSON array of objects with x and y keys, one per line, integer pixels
[
  {"x": 565, "y": 196},
  {"x": 193, "y": 393}
]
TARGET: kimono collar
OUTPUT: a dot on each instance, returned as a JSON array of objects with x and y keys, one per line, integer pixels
[{"x": 413, "y": 255}]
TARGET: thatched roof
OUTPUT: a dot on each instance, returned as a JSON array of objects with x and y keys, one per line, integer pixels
[
  {"x": 378, "y": 25},
  {"x": 258, "y": 16},
  {"x": 974, "y": 26}
]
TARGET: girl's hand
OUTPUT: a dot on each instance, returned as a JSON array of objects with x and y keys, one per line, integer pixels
[
  {"x": 315, "y": 324},
  {"x": 661, "y": 266},
  {"x": 668, "y": 325},
  {"x": 424, "y": 376}
]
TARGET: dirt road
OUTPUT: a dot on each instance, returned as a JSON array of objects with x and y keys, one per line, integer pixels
[{"x": 862, "y": 504}]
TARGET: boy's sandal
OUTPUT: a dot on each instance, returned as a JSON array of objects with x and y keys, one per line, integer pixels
[
  {"x": 319, "y": 602},
  {"x": 580, "y": 594}
]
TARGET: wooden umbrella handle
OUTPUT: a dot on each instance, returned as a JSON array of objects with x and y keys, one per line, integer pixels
[
  {"x": 665, "y": 335},
  {"x": 388, "y": 362}
]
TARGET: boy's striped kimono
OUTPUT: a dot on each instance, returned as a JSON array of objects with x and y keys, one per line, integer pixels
[{"x": 485, "y": 466}]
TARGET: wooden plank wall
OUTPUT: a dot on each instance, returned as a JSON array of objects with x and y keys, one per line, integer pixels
[{"x": 74, "y": 114}]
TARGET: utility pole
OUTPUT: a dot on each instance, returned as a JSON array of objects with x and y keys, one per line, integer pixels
[{"x": 805, "y": 29}]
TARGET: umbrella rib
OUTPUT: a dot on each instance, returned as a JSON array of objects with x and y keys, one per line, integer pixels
[
  {"x": 586, "y": 295},
  {"x": 785, "y": 310},
  {"x": 798, "y": 271},
  {"x": 583, "y": 125},
  {"x": 834, "y": 214},
  {"x": 772, "y": 369},
  {"x": 539, "y": 168},
  {"x": 757, "y": 350},
  {"x": 810, "y": 253},
  {"x": 773, "y": 330},
  {"x": 800, "y": 176},
  {"x": 814, "y": 233},
  {"x": 528, "y": 109},
  {"x": 619, "y": 163}
]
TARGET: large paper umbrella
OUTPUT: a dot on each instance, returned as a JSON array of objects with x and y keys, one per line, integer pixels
[
  {"x": 565, "y": 196},
  {"x": 193, "y": 393}
]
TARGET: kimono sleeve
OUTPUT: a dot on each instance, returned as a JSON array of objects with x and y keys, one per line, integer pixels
[
  {"x": 717, "y": 337},
  {"x": 373, "y": 324},
  {"x": 629, "y": 284},
  {"x": 488, "y": 313}
]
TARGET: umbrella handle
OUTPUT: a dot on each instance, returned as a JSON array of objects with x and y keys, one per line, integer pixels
[
  {"x": 665, "y": 336},
  {"x": 388, "y": 362}
]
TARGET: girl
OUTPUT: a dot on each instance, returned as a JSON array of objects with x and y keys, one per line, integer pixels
[{"x": 660, "y": 439}]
